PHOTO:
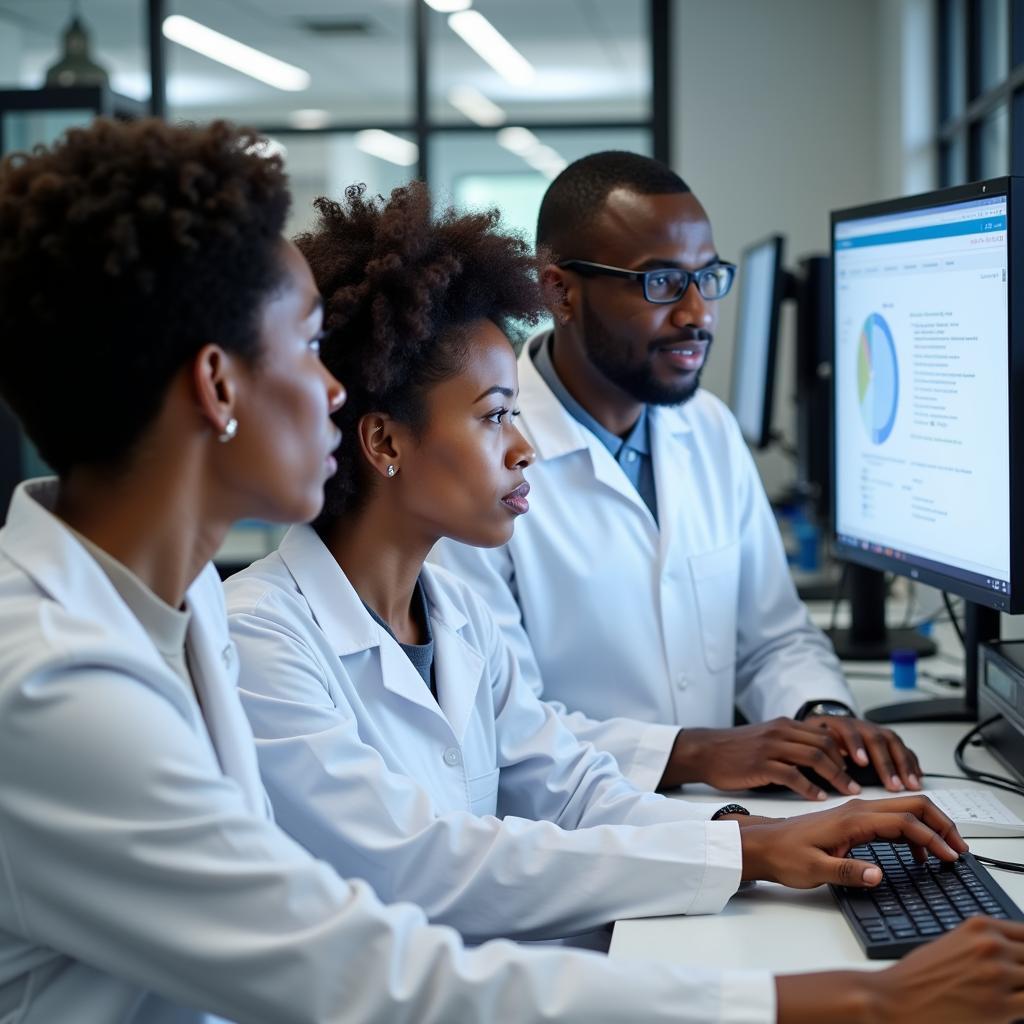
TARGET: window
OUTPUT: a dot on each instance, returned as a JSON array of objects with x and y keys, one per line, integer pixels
[{"x": 981, "y": 89}]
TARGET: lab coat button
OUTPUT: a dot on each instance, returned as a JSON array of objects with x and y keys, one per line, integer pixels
[
  {"x": 631, "y": 456},
  {"x": 682, "y": 682},
  {"x": 452, "y": 757}
]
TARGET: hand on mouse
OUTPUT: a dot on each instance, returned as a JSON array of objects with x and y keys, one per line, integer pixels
[
  {"x": 810, "y": 849},
  {"x": 762, "y": 754},
  {"x": 868, "y": 744}
]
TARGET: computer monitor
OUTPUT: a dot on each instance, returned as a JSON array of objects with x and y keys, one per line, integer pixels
[
  {"x": 762, "y": 289},
  {"x": 928, "y": 394}
]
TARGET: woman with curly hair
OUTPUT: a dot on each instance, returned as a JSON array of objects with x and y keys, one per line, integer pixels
[
  {"x": 396, "y": 737},
  {"x": 159, "y": 341}
]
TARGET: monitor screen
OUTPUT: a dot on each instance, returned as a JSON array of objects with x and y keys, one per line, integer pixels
[
  {"x": 757, "y": 324},
  {"x": 922, "y": 384}
]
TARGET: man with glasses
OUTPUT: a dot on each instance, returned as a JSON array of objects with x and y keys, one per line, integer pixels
[{"x": 647, "y": 594}]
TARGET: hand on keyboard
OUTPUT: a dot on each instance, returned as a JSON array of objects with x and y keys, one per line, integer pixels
[
  {"x": 811, "y": 849},
  {"x": 972, "y": 974}
]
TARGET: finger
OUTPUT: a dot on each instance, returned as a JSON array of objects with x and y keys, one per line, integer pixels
[
  {"x": 818, "y": 761},
  {"x": 921, "y": 807},
  {"x": 847, "y": 871},
  {"x": 915, "y": 766},
  {"x": 906, "y": 826},
  {"x": 847, "y": 732},
  {"x": 787, "y": 775},
  {"x": 905, "y": 762},
  {"x": 878, "y": 751},
  {"x": 1012, "y": 930},
  {"x": 816, "y": 736}
]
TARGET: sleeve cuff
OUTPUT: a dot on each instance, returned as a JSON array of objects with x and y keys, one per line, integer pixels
[
  {"x": 747, "y": 997},
  {"x": 723, "y": 864},
  {"x": 650, "y": 756}
]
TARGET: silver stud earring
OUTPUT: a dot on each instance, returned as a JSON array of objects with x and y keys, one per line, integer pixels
[
  {"x": 391, "y": 471},
  {"x": 229, "y": 431}
]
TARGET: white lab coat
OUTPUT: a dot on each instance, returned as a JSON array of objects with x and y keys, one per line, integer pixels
[
  {"x": 632, "y": 630},
  {"x": 371, "y": 774},
  {"x": 141, "y": 878}
]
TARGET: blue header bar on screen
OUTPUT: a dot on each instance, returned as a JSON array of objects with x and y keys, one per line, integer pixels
[{"x": 981, "y": 226}]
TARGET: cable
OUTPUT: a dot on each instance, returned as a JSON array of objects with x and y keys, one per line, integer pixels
[
  {"x": 1006, "y": 865},
  {"x": 973, "y": 774}
]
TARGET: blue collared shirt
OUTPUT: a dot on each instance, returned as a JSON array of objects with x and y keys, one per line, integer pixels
[{"x": 632, "y": 453}]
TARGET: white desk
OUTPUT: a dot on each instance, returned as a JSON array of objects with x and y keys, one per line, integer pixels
[{"x": 788, "y": 930}]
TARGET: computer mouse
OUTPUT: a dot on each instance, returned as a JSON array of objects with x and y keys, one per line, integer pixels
[{"x": 863, "y": 775}]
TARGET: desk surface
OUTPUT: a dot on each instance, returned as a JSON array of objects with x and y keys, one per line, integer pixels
[{"x": 786, "y": 930}]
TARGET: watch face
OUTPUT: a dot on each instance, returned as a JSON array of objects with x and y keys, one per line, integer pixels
[{"x": 831, "y": 709}]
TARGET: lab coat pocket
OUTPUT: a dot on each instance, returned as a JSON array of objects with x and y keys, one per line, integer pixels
[
  {"x": 483, "y": 792},
  {"x": 716, "y": 580}
]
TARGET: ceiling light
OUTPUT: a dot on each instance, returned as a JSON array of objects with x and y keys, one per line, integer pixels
[
  {"x": 448, "y": 6},
  {"x": 479, "y": 34},
  {"x": 517, "y": 140},
  {"x": 387, "y": 146},
  {"x": 476, "y": 106},
  {"x": 526, "y": 145},
  {"x": 234, "y": 54},
  {"x": 309, "y": 118}
]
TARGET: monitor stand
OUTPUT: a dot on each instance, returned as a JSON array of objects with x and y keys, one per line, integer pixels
[
  {"x": 980, "y": 625},
  {"x": 868, "y": 638}
]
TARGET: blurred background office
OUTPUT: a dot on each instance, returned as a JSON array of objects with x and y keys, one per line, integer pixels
[{"x": 775, "y": 111}]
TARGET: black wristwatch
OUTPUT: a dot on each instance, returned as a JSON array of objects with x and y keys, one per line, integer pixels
[
  {"x": 834, "y": 708},
  {"x": 729, "y": 809}
]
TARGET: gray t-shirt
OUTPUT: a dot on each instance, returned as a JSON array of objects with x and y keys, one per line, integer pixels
[
  {"x": 421, "y": 655},
  {"x": 167, "y": 627}
]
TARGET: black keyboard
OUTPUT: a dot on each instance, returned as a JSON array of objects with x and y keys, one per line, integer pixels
[{"x": 916, "y": 903}]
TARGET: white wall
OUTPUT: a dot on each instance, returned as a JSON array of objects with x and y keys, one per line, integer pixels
[{"x": 785, "y": 110}]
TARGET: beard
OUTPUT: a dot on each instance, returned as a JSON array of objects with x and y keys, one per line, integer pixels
[{"x": 612, "y": 356}]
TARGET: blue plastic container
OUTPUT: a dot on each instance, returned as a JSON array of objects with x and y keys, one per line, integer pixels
[{"x": 904, "y": 669}]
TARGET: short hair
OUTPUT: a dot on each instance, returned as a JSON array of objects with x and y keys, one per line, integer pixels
[
  {"x": 578, "y": 193},
  {"x": 124, "y": 248},
  {"x": 400, "y": 283}
]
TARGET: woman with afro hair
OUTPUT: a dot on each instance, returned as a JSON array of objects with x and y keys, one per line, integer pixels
[{"x": 396, "y": 738}]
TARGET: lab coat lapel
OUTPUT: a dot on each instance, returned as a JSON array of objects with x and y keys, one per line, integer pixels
[
  {"x": 458, "y": 668},
  {"x": 400, "y": 677},
  {"x": 672, "y": 473},
  {"x": 37, "y": 541},
  {"x": 213, "y": 664},
  {"x": 340, "y": 613},
  {"x": 50, "y": 554},
  {"x": 553, "y": 432}
]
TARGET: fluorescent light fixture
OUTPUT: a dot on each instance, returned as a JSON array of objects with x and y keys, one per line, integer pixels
[
  {"x": 387, "y": 146},
  {"x": 480, "y": 35},
  {"x": 255, "y": 63},
  {"x": 546, "y": 160},
  {"x": 476, "y": 106},
  {"x": 517, "y": 140},
  {"x": 309, "y": 118},
  {"x": 526, "y": 145},
  {"x": 448, "y": 6}
]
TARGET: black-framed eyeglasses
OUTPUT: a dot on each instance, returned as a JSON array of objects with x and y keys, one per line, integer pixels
[{"x": 665, "y": 284}]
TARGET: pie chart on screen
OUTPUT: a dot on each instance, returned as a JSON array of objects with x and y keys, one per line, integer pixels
[{"x": 878, "y": 378}]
